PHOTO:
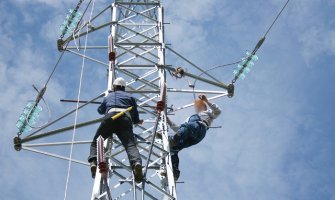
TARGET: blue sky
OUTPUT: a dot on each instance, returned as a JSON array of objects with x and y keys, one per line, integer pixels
[{"x": 277, "y": 140}]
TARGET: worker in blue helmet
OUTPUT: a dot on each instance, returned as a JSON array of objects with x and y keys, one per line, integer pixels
[
  {"x": 193, "y": 130},
  {"x": 114, "y": 103}
]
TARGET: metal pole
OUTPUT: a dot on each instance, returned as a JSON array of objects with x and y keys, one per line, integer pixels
[
  {"x": 199, "y": 78},
  {"x": 191, "y": 104},
  {"x": 170, "y": 188},
  {"x": 57, "y": 143},
  {"x": 149, "y": 156},
  {"x": 54, "y": 155},
  {"x": 54, "y": 132}
]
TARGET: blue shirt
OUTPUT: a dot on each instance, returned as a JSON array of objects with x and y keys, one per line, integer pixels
[{"x": 120, "y": 99}]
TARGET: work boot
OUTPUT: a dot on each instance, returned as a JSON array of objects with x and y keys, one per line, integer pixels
[
  {"x": 163, "y": 171},
  {"x": 172, "y": 141},
  {"x": 176, "y": 174},
  {"x": 93, "y": 166},
  {"x": 138, "y": 174}
]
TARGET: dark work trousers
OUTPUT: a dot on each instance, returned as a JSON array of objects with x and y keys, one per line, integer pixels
[
  {"x": 123, "y": 128},
  {"x": 187, "y": 135}
]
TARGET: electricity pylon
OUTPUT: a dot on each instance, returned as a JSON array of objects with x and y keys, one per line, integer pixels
[{"x": 136, "y": 51}]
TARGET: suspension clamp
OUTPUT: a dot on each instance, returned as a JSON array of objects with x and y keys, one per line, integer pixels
[
  {"x": 231, "y": 90},
  {"x": 17, "y": 143},
  {"x": 60, "y": 45}
]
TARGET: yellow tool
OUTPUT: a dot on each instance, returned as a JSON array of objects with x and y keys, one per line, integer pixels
[{"x": 122, "y": 113}]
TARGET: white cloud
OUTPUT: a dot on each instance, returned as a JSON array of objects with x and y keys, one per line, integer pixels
[
  {"x": 314, "y": 29},
  {"x": 51, "y": 29},
  {"x": 248, "y": 158},
  {"x": 187, "y": 32},
  {"x": 51, "y": 3},
  {"x": 21, "y": 64},
  {"x": 196, "y": 11},
  {"x": 317, "y": 41}
]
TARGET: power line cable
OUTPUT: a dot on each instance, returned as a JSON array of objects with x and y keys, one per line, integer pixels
[{"x": 258, "y": 45}]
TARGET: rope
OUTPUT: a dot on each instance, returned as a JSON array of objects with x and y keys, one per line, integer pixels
[{"x": 76, "y": 113}]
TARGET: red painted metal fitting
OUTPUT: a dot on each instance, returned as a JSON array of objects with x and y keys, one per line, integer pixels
[
  {"x": 103, "y": 168},
  {"x": 112, "y": 56},
  {"x": 160, "y": 106}
]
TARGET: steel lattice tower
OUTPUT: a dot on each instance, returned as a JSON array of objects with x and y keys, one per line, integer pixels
[{"x": 137, "y": 39}]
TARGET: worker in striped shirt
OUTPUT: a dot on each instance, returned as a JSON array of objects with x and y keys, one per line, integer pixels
[{"x": 193, "y": 130}]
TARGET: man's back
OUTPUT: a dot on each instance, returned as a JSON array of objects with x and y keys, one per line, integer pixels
[{"x": 119, "y": 99}]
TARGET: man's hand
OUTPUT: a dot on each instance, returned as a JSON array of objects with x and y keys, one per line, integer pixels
[
  {"x": 140, "y": 122},
  {"x": 107, "y": 92},
  {"x": 203, "y": 97}
]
